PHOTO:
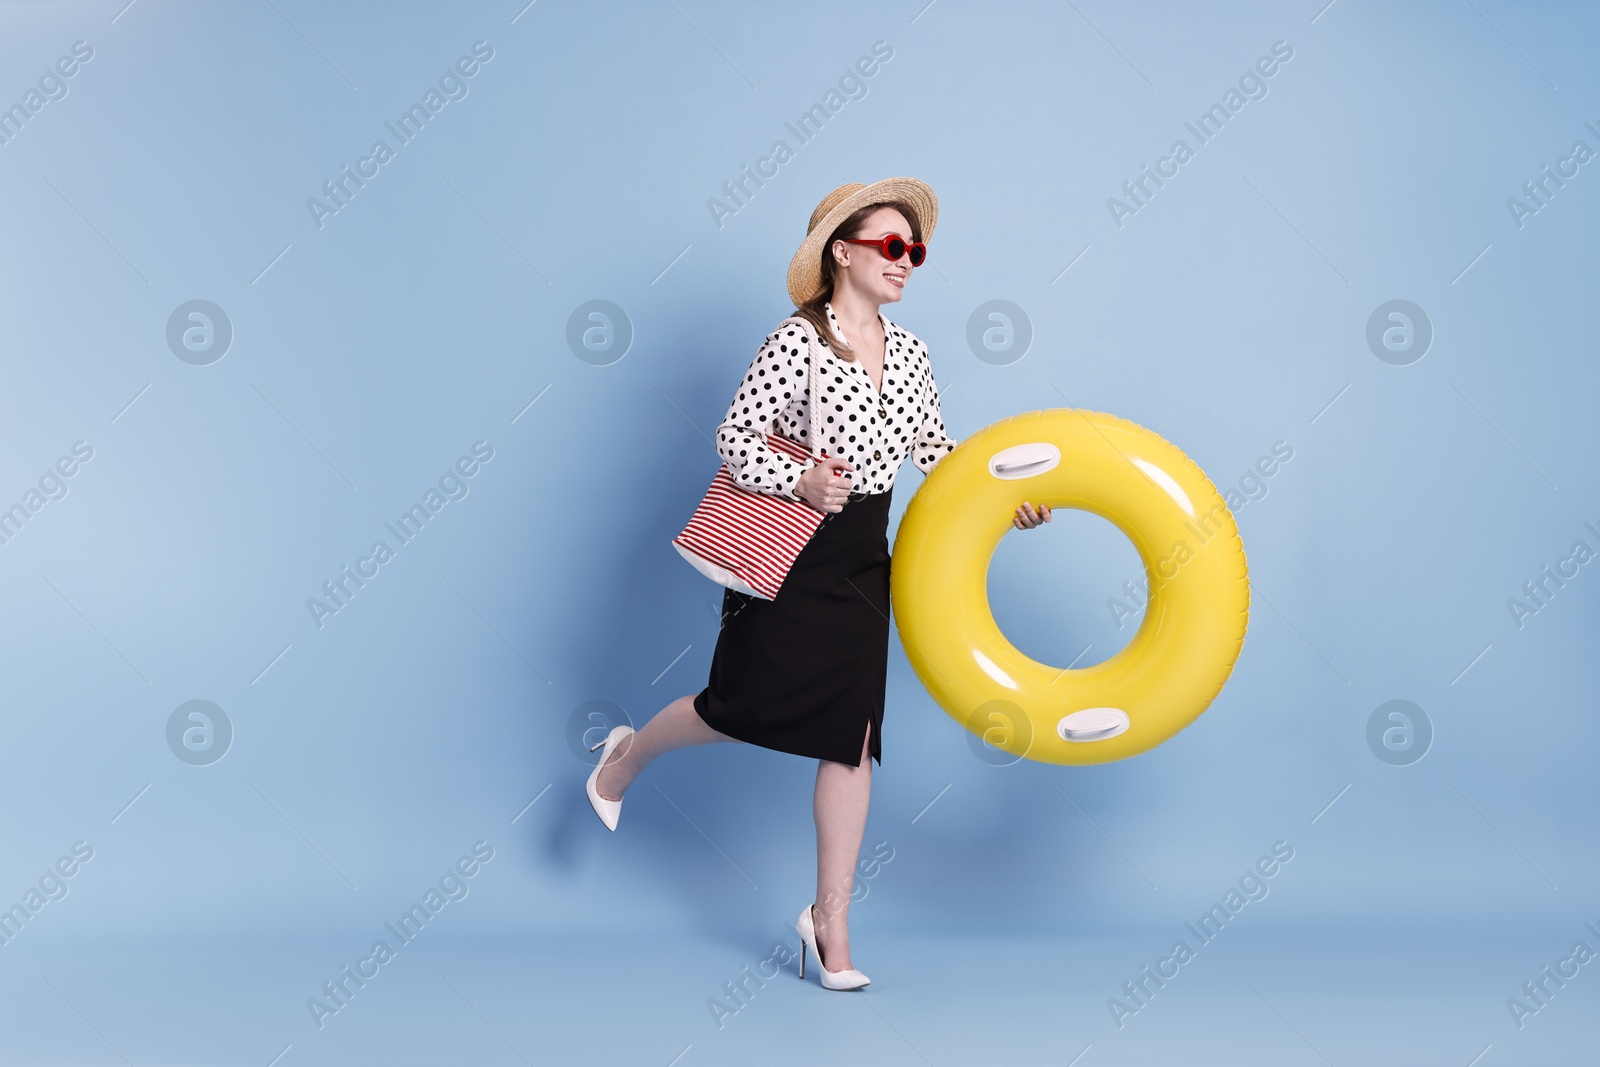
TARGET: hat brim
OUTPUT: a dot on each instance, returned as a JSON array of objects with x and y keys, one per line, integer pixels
[{"x": 805, "y": 270}]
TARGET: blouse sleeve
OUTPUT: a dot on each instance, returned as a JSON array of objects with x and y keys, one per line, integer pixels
[
  {"x": 775, "y": 375},
  {"x": 932, "y": 443}
]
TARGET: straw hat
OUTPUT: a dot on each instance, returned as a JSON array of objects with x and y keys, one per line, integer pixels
[{"x": 805, "y": 270}]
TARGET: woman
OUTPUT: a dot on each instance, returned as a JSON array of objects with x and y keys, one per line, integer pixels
[{"x": 805, "y": 673}]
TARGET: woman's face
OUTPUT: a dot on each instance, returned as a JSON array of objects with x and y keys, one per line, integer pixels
[{"x": 864, "y": 269}]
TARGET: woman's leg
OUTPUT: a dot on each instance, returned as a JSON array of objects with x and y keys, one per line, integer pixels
[
  {"x": 677, "y": 725},
  {"x": 840, "y": 810}
]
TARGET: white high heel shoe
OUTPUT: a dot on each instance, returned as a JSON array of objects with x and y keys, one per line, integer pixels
[
  {"x": 608, "y": 810},
  {"x": 849, "y": 978}
]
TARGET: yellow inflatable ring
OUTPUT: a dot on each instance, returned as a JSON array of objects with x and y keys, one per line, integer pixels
[{"x": 1194, "y": 622}]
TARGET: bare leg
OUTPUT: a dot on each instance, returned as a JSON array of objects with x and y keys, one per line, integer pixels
[
  {"x": 675, "y": 726},
  {"x": 840, "y": 810}
]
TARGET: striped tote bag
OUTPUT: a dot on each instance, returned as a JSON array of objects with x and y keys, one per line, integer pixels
[{"x": 746, "y": 540}]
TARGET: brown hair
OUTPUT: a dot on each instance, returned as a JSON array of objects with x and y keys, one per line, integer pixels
[{"x": 814, "y": 310}]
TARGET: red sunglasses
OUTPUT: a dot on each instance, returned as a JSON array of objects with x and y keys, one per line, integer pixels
[{"x": 893, "y": 247}]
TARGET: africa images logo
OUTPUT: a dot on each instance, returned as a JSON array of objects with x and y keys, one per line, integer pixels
[
  {"x": 1205, "y": 128},
  {"x": 453, "y": 485},
  {"x": 452, "y": 885},
  {"x": 452, "y": 86}
]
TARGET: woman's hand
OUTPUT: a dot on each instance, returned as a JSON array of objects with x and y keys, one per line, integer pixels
[
  {"x": 1027, "y": 518},
  {"x": 820, "y": 487}
]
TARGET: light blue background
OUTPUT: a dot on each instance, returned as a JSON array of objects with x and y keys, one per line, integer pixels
[{"x": 1228, "y": 314}]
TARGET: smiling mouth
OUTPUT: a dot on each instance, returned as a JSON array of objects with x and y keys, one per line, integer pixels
[{"x": 898, "y": 279}]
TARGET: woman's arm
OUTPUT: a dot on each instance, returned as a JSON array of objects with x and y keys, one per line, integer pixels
[
  {"x": 776, "y": 376},
  {"x": 932, "y": 443}
]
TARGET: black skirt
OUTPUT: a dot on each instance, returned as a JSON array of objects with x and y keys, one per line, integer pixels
[{"x": 806, "y": 672}]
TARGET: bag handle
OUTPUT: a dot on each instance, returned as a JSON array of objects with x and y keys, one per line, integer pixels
[{"x": 814, "y": 358}]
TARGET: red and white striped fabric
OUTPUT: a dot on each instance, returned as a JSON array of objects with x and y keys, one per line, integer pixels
[{"x": 746, "y": 540}]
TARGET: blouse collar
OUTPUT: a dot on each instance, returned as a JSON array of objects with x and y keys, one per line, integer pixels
[{"x": 889, "y": 333}]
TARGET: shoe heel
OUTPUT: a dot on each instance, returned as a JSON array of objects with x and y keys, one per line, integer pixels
[{"x": 802, "y": 957}]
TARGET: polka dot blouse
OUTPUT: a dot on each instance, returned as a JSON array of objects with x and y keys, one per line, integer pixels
[{"x": 874, "y": 430}]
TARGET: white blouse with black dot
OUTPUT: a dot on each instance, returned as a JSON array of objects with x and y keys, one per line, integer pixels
[{"x": 875, "y": 430}]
